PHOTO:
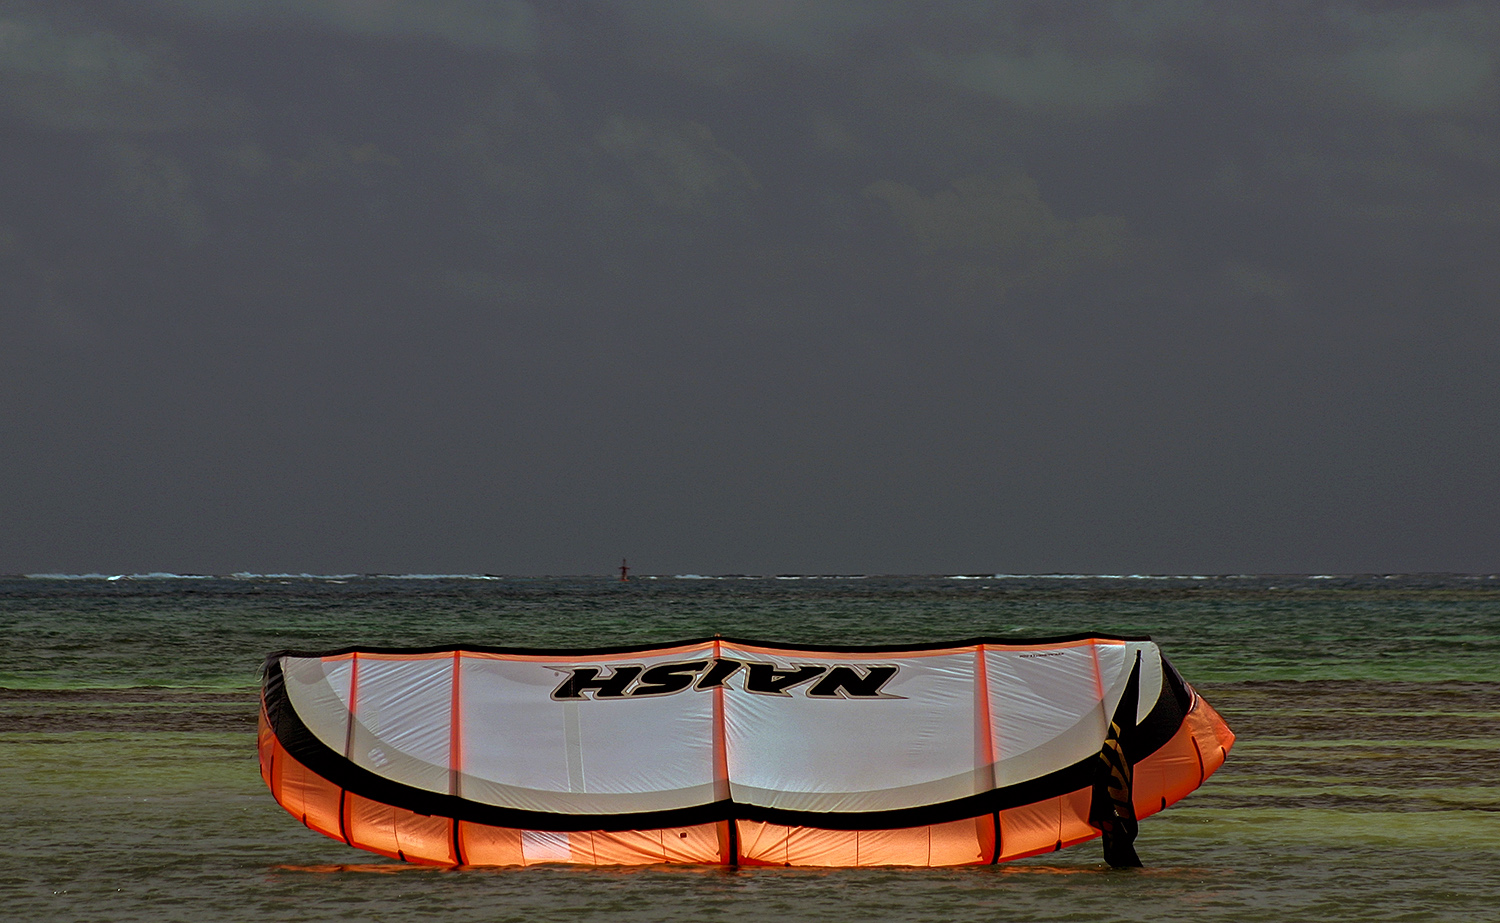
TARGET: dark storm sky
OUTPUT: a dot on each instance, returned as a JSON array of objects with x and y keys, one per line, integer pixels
[{"x": 755, "y": 286}]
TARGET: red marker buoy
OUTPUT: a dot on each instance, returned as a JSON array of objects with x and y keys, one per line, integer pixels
[{"x": 624, "y": 571}]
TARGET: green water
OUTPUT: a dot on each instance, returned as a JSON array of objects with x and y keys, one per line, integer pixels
[{"x": 1365, "y": 784}]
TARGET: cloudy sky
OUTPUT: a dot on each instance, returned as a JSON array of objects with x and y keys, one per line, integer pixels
[{"x": 755, "y": 286}]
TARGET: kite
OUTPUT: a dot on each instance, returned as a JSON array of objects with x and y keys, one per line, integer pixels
[{"x": 731, "y": 752}]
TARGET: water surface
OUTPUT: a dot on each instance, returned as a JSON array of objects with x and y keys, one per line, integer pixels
[{"x": 1363, "y": 786}]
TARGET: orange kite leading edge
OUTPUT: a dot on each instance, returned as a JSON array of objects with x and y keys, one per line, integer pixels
[{"x": 733, "y": 752}]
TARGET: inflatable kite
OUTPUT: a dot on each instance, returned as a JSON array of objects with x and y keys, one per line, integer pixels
[{"x": 731, "y": 752}]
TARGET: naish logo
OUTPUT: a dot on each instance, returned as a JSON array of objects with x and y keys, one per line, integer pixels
[{"x": 630, "y": 681}]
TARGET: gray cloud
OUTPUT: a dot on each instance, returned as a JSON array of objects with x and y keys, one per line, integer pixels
[
  {"x": 1404, "y": 60},
  {"x": 508, "y": 25},
  {"x": 156, "y": 190},
  {"x": 1055, "y": 80},
  {"x": 682, "y": 166},
  {"x": 999, "y": 233},
  {"x": 72, "y": 74},
  {"x": 802, "y": 27},
  {"x": 748, "y": 286}
]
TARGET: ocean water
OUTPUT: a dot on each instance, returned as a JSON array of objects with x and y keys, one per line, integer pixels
[{"x": 1365, "y": 784}]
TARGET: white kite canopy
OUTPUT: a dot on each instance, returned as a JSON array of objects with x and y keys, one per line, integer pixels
[{"x": 739, "y": 752}]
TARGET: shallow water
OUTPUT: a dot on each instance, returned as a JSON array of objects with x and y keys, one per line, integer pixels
[{"x": 1363, "y": 786}]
